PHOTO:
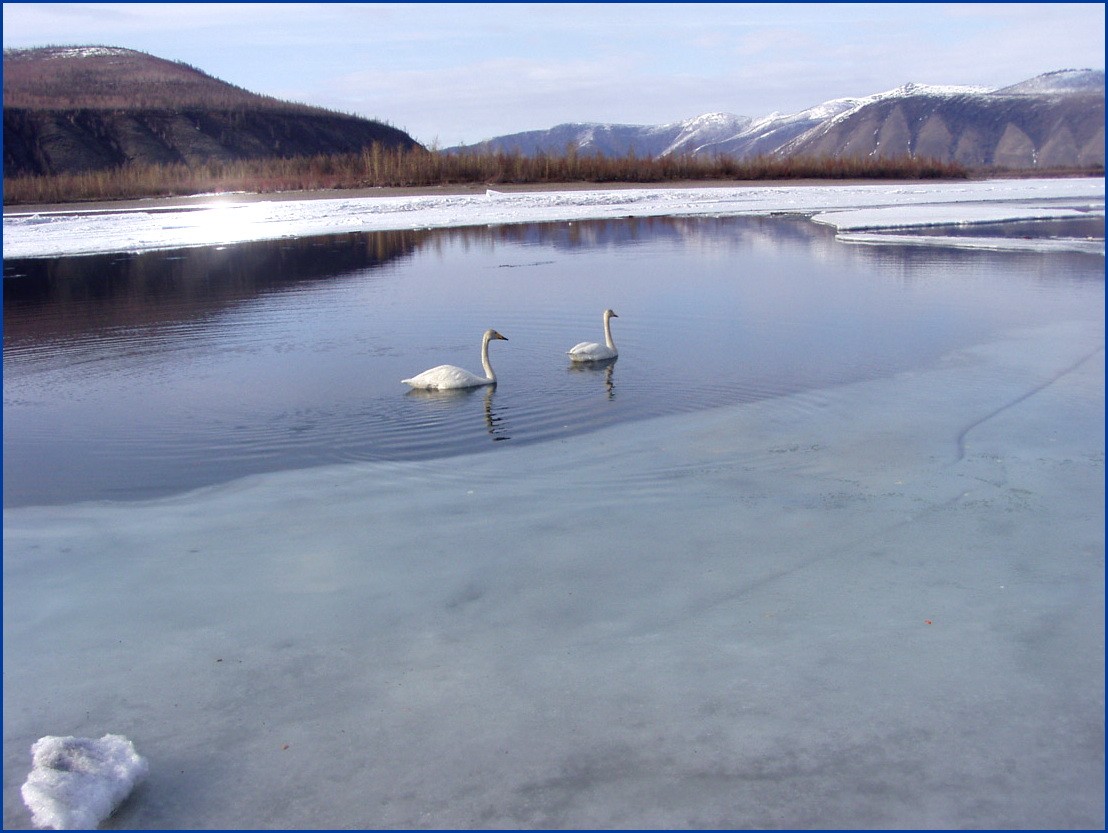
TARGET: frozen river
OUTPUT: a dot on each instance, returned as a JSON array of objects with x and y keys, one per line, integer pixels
[{"x": 857, "y": 582}]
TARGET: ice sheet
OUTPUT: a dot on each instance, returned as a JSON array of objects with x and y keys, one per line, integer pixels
[
  {"x": 880, "y": 605},
  {"x": 939, "y": 215},
  {"x": 872, "y": 226},
  {"x": 1035, "y": 244}
]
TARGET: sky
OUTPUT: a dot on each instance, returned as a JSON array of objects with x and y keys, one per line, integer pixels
[{"x": 458, "y": 73}]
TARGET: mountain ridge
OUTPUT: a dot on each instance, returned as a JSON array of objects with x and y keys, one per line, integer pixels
[
  {"x": 84, "y": 108},
  {"x": 1052, "y": 120}
]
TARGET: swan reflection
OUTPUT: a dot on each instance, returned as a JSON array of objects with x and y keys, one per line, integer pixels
[
  {"x": 494, "y": 423},
  {"x": 448, "y": 398},
  {"x": 604, "y": 366}
]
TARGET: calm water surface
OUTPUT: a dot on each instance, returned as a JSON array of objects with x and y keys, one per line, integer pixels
[{"x": 135, "y": 375}]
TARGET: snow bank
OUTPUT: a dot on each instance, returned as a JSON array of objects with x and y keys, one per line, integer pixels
[
  {"x": 213, "y": 220},
  {"x": 76, "y": 783}
]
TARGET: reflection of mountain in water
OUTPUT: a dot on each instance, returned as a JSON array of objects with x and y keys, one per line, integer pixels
[{"x": 171, "y": 287}]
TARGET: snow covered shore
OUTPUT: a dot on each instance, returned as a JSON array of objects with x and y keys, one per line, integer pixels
[{"x": 220, "y": 220}]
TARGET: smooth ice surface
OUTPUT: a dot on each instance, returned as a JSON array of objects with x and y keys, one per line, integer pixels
[
  {"x": 876, "y": 604},
  {"x": 76, "y": 783},
  {"x": 873, "y": 606}
]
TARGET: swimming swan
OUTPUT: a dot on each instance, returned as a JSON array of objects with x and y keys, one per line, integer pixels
[
  {"x": 590, "y": 351},
  {"x": 447, "y": 376}
]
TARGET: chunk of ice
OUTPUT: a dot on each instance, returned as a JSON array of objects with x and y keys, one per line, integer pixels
[{"x": 76, "y": 783}]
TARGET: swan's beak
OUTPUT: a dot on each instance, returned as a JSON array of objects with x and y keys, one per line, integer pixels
[{"x": 502, "y": 338}]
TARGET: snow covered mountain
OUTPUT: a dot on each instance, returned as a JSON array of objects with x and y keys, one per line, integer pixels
[
  {"x": 1063, "y": 81},
  {"x": 764, "y": 136},
  {"x": 617, "y": 139},
  {"x": 1052, "y": 120}
]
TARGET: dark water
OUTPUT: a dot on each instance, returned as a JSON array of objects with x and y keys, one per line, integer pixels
[{"x": 137, "y": 375}]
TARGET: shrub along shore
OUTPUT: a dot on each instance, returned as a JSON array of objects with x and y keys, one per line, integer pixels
[{"x": 379, "y": 167}]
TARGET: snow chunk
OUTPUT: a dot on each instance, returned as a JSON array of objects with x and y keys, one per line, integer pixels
[{"x": 76, "y": 783}]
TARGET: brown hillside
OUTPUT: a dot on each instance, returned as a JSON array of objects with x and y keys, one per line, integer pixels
[
  {"x": 76, "y": 109},
  {"x": 110, "y": 78}
]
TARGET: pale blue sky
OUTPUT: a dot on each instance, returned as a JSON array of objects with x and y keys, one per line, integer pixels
[{"x": 458, "y": 72}]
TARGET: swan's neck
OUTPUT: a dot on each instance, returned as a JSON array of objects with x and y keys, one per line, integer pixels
[
  {"x": 485, "y": 360},
  {"x": 608, "y": 332}
]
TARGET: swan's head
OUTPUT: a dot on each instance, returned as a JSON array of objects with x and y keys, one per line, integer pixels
[
  {"x": 491, "y": 335},
  {"x": 609, "y": 314}
]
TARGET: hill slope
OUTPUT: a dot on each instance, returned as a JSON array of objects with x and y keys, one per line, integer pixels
[{"x": 73, "y": 109}]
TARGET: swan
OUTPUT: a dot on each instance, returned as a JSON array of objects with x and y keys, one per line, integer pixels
[
  {"x": 447, "y": 376},
  {"x": 590, "y": 351}
]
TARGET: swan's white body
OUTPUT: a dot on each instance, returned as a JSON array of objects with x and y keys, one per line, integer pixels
[
  {"x": 447, "y": 376},
  {"x": 590, "y": 351}
]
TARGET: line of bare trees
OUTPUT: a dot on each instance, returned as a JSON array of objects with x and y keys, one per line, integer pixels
[{"x": 380, "y": 166}]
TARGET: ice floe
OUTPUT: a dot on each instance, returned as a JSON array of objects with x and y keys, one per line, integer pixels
[{"x": 76, "y": 783}]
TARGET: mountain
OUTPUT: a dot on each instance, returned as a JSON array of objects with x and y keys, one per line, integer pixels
[
  {"x": 1039, "y": 123},
  {"x": 1054, "y": 120},
  {"x": 74, "y": 109},
  {"x": 763, "y": 136},
  {"x": 616, "y": 139},
  {"x": 1063, "y": 81}
]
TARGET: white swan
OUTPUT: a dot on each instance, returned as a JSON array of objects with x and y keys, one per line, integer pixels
[
  {"x": 447, "y": 376},
  {"x": 590, "y": 351}
]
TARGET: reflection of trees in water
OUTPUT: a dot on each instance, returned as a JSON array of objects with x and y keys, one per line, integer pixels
[
  {"x": 168, "y": 287},
  {"x": 88, "y": 293},
  {"x": 625, "y": 231},
  {"x": 93, "y": 292}
]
